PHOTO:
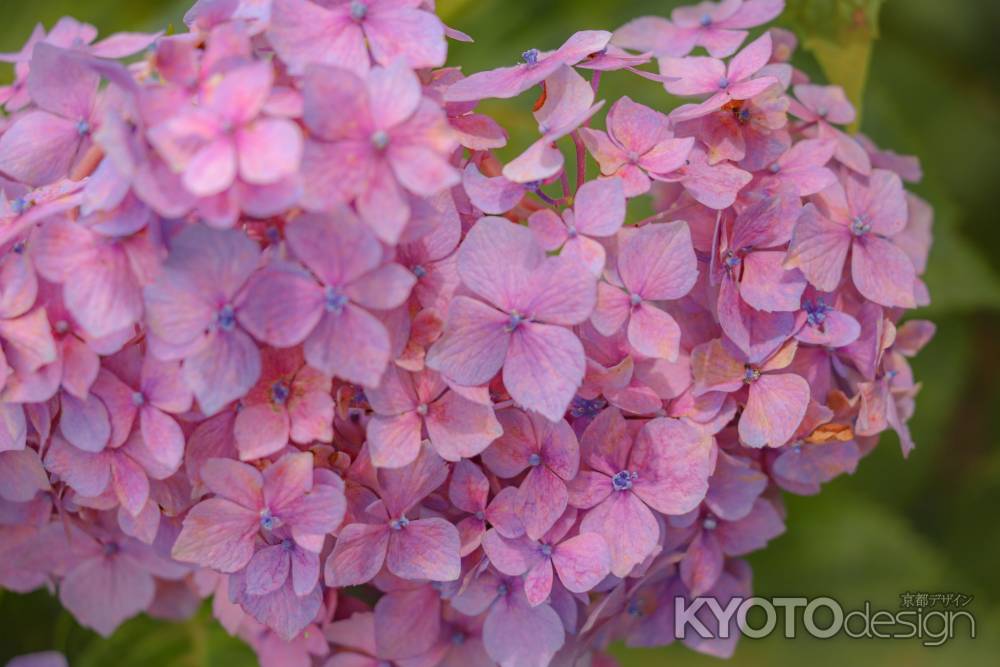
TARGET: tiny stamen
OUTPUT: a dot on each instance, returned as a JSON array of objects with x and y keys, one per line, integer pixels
[
  {"x": 530, "y": 57},
  {"x": 227, "y": 318},
  {"x": 622, "y": 481}
]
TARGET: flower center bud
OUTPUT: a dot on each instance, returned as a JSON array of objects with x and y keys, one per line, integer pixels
[
  {"x": 137, "y": 398},
  {"x": 279, "y": 392},
  {"x": 751, "y": 374},
  {"x": 400, "y": 523},
  {"x": 530, "y": 57},
  {"x": 227, "y": 318},
  {"x": 622, "y": 481},
  {"x": 709, "y": 523},
  {"x": 83, "y": 127},
  {"x": 334, "y": 301},
  {"x": 860, "y": 225},
  {"x": 775, "y": 168},
  {"x": 534, "y": 460},
  {"x": 422, "y": 409},
  {"x": 634, "y": 299},
  {"x": 816, "y": 312},
  {"x": 723, "y": 83},
  {"x": 111, "y": 549},
  {"x": 20, "y": 205},
  {"x": 545, "y": 550},
  {"x": 705, "y": 20},
  {"x": 288, "y": 544},
  {"x": 359, "y": 10},
  {"x": 380, "y": 139},
  {"x": 419, "y": 271},
  {"x": 515, "y": 321},
  {"x": 267, "y": 520},
  {"x": 458, "y": 638}
]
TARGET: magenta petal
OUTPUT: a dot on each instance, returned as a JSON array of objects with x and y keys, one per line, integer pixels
[
  {"x": 767, "y": 286},
  {"x": 425, "y": 549},
  {"x": 673, "y": 461},
  {"x": 88, "y": 474},
  {"x": 21, "y": 475},
  {"x": 538, "y": 582},
  {"x": 130, "y": 483},
  {"x": 283, "y": 305},
  {"x": 544, "y": 368},
  {"x": 582, "y": 562},
  {"x": 358, "y": 555},
  {"x": 775, "y": 408},
  {"x": 658, "y": 262}
]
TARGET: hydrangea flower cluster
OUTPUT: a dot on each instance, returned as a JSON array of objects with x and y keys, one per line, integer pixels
[{"x": 279, "y": 327}]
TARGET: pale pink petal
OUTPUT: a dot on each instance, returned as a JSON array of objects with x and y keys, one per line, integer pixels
[
  {"x": 538, "y": 582},
  {"x": 474, "y": 344},
  {"x": 542, "y": 500},
  {"x": 548, "y": 227},
  {"x": 495, "y": 259},
  {"x": 302, "y": 32},
  {"x": 223, "y": 371},
  {"x": 673, "y": 460},
  {"x": 358, "y": 555},
  {"x": 267, "y": 570},
  {"x": 654, "y": 333},
  {"x": 218, "y": 534},
  {"x": 560, "y": 291},
  {"x": 85, "y": 423},
  {"x": 268, "y": 150},
  {"x": 768, "y": 286},
  {"x": 582, "y": 562},
  {"x": 88, "y": 474},
  {"x": 130, "y": 483},
  {"x": 425, "y": 549},
  {"x": 394, "y": 92},
  {"x": 544, "y": 368},
  {"x": 492, "y": 196},
  {"x": 39, "y": 148},
  {"x": 260, "y": 430},
  {"x": 239, "y": 482},
  {"x": 103, "y": 592},
  {"x": 882, "y": 272},
  {"x": 518, "y": 635},
  {"x": 658, "y": 261},
  {"x": 628, "y": 527},
  {"x": 460, "y": 429},
  {"x": 352, "y": 345},
  {"x": 413, "y": 36},
  {"x": 702, "y": 565},
  {"x": 283, "y": 305},
  {"x": 510, "y": 556},
  {"x": 775, "y": 408},
  {"x": 818, "y": 249},
  {"x": 394, "y": 441}
]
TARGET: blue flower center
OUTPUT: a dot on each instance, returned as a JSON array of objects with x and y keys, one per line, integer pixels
[
  {"x": 751, "y": 374},
  {"x": 458, "y": 638},
  {"x": 400, "y": 523},
  {"x": 83, "y": 127},
  {"x": 723, "y": 83},
  {"x": 480, "y": 515},
  {"x": 709, "y": 523},
  {"x": 634, "y": 299},
  {"x": 515, "y": 321},
  {"x": 20, "y": 205},
  {"x": 227, "y": 318},
  {"x": 534, "y": 460},
  {"x": 18, "y": 248},
  {"x": 530, "y": 57},
  {"x": 419, "y": 271},
  {"x": 705, "y": 20},
  {"x": 137, "y": 398},
  {"x": 334, "y": 301},
  {"x": 359, "y": 10},
  {"x": 288, "y": 544},
  {"x": 584, "y": 407},
  {"x": 423, "y": 409},
  {"x": 775, "y": 168},
  {"x": 545, "y": 550},
  {"x": 111, "y": 549},
  {"x": 279, "y": 392},
  {"x": 860, "y": 225},
  {"x": 816, "y": 312},
  {"x": 622, "y": 481},
  {"x": 267, "y": 520}
]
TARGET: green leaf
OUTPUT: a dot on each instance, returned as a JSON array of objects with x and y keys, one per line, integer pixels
[{"x": 839, "y": 33}]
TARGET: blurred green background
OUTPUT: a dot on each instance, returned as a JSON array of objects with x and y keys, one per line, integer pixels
[{"x": 923, "y": 525}]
